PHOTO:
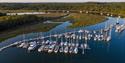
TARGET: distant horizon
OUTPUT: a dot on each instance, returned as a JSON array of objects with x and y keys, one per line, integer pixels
[
  {"x": 57, "y": 1},
  {"x": 62, "y": 2}
]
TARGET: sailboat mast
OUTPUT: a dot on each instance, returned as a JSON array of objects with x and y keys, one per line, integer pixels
[
  {"x": 50, "y": 37},
  {"x": 23, "y": 37},
  {"x": 110, "y": 32}
]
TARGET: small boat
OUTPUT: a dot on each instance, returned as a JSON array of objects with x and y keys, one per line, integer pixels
[
  {"x": 80, "y": 31},
  {"x": 76, "y": 50},
  {"x": 62, "y": 43},
  {"x": 61, "y": 49},
  {"x": 41, "y": 48},
  {"x": 77, "y": 44},
  {"x": 108, "y": 38},
  {"x": 32, "y": 45},
  {"x": 80, "y": 37},
  {"x": 86, "y": 38},
  {"x": 22, "y": 44},
  {"x": 82, "y": 47},
  {"x": 56, "y": 49},
  {"x": 73, "y": 44},
  {"x": 117, "y": 22},
  {"x": 66, "y": 49},
  {"x": 69, "y": 44},
  {"x": 65, "y": 44},
  {"x": 71, "y": 49},
  {"x": 46, "y": 48},
  {"x": 26, "y": 45},
  {"x": 47, "y": 42},
  {"x": 86, "y": 46},
  {"x": 51, "y": 48},
  {"x": 43, "y": 42}
]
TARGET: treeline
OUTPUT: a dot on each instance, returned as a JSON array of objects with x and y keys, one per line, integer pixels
[
  {"x": 2, "y": 14},
  {"x": 7, "y": 22},
  {"x": 106, "y": 7}
]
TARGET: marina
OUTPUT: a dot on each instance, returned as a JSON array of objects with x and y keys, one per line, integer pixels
[
  {"x": 50, "y": 45},
  {"x": 71, "y": 31},
  {"x": 68, "y": 42},
  {"x": 81, "y": 42}
]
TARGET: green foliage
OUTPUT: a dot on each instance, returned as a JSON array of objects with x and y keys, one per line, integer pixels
[
  {"x": 86, "y": 19},
  {"x": 115, "y": 8},
  {"x": 64, "y": 6},
  {"x": 11, "y": 26},
  {"x": 2, "y": 14},
  {"x": 7, "y": 22}
]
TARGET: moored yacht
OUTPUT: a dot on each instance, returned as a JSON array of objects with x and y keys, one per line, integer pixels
[
  {"x": 26, "y": 45},
  {"x": 86, "y": 46},
  {"x": 41, "y": 48},
  {"x": 61, "y": 49},
  {"x": 56, "y": 49},
  {"x": 32, "y": 46},
  {"x": 66, "y": 49},
  {"x": 22, "y": 44},
  {"x": 71, "y": 49},
  {"x": 82, "y": 47},
  {"x": 75, "y": 50},
  {"x": 51, "y": 48}
]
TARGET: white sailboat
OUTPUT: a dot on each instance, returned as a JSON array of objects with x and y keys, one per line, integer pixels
[
  {"x": 117, "y": 22},
  {"x": 66, "y": 48},
  {"x": 41, "y": 48},
  {"x": 82, "y": 47},
  {"x": 32, "y": 45},
  {"x": 56, "y": 46},
  {"x": 86, "y": 46},
  {"x": 76, "y": 50},
  {"x": 61, "y": 45},
  {"x": 109, "y": 36},
  {"x": 51, "y": 47}
]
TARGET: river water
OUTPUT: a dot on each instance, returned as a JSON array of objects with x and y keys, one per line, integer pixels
[{"x": 100, "y": 52}]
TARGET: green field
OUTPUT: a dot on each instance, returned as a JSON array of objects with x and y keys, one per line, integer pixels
[{"x": 86, "y": 19}]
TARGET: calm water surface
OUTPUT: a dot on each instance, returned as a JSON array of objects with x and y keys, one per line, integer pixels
[{"x": 100, "y": 52}]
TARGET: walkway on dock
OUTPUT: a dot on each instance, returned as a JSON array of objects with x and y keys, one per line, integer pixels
[
  {"x": 1, "y": 49},
  {"x": 52, "y": 22}
]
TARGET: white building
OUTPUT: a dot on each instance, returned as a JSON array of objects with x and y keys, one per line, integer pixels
[{"x": 26, "y": 13}]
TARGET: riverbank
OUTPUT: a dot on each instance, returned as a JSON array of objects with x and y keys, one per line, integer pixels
[
  {"x": 76, "y": 18},
  {"x": 26, "y": 25}
]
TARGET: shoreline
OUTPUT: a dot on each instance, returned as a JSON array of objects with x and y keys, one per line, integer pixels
[{"x": 39, "y": 27}]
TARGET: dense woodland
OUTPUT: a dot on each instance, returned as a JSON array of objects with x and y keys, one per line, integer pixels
[
  {"x": 2, "y": 14},
  {"x": 7, "y": 22},
  {"x": 103, "y": 7}
]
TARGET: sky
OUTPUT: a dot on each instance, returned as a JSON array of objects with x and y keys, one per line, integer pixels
[{"x": 62, "y": 0}]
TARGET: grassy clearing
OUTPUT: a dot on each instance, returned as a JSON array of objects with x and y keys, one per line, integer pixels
[
  {"x": 85, "y": 19},
  {"x": 52, "y": 15}
]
